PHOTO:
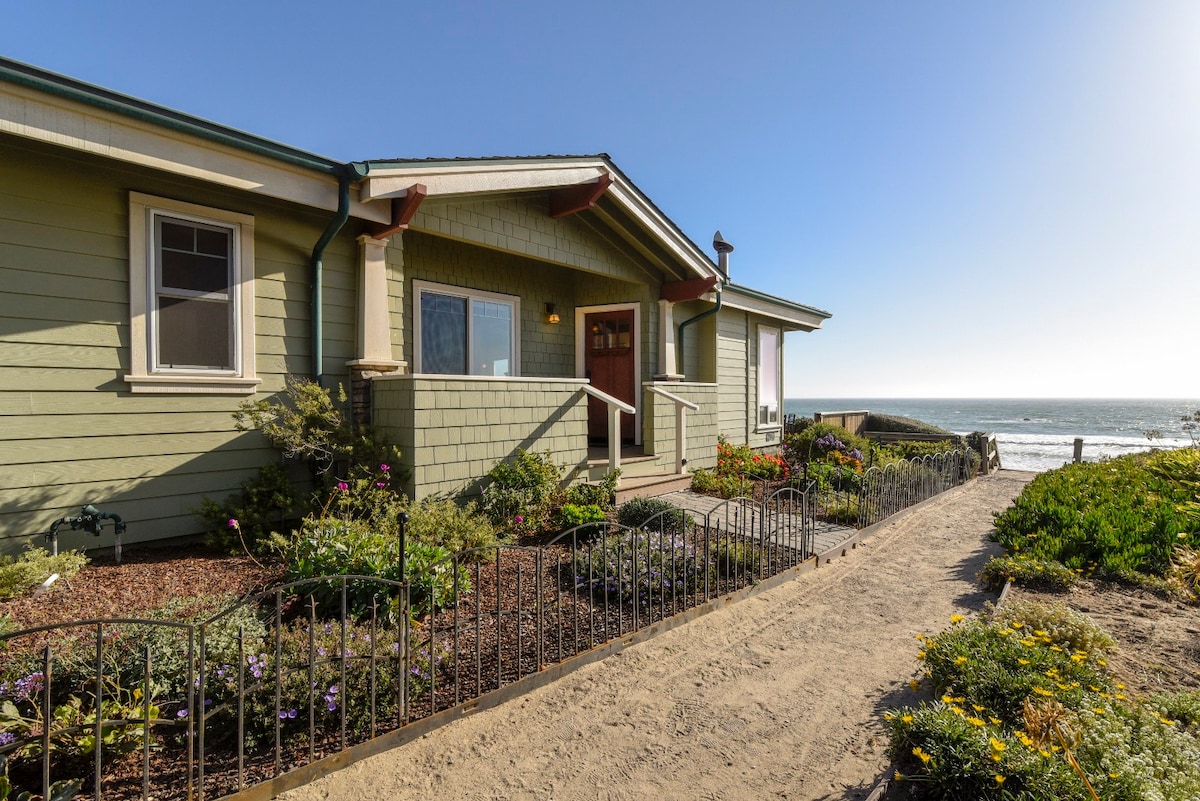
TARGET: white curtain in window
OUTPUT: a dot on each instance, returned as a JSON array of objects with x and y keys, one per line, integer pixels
[{"x": 768, "y": 375}]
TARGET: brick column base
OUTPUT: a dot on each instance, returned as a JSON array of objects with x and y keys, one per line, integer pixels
[{"x": 360, "y": 388}]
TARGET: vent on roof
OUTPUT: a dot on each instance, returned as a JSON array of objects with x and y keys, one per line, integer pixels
[{"x": 723, "y": 249}]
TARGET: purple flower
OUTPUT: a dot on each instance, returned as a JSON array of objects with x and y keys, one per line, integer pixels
[
  {"x": 343, "y": 486},
  {"x": 181, "y": 713},
  {"x": 6, "y": 737},
  {"x": 287, "y": 714},
  {"x": 380, "y": 484},
  {"x": 233, "y": 522},
  {"x": 384, "y": 467},
  {"x": 519, "y": 519}
]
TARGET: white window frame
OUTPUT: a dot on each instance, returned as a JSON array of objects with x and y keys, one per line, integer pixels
[
  {"x": 763, "y": 409},
  {"x": 420, "y": 287},
  {"x": 145, "y": 375}
]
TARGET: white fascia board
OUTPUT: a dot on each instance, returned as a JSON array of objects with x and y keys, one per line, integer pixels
[
  {"x": 791, "y": 318},
  {"x": 475, "y": 178},
  {"x": 64, "y": 123},
  {"x": 462, "y": 179}
]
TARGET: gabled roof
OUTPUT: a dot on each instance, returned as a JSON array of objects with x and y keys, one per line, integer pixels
[
  {"x": 44, "y": 106},
  {"x": 623, "y": 207}
]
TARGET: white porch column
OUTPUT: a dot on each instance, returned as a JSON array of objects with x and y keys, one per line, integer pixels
[
  {"x": 668, "y": 368},
  {"x": 374, "y": 323},
  {"x": 373, "y": 350}
]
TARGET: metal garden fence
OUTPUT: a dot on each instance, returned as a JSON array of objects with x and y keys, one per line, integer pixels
[{"x": 135, "y": 708}]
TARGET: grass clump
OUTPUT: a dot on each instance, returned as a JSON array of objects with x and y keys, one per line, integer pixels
[
  {"x": 1027, "y": 571},
  {"x": 21, "y": 575}
]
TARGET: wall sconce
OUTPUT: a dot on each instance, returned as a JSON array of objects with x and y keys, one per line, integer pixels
[{"x": 552, "y": 314}]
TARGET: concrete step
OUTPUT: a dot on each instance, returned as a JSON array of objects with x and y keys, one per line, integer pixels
[{"x": 651, "y": 486}]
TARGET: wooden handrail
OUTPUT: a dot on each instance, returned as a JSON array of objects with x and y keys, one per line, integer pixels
[
  {"x": 681, "y": 409},
  {"x": 615, "y": 407}
]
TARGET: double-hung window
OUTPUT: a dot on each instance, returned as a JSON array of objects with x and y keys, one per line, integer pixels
[
  {"x": 769, "y": 368},
  {"x": 191, "y": 298},
  {"x": 466, "y": 332}
]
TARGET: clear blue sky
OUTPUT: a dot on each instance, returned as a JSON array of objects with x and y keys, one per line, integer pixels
[{"x": 994, "y": 199}]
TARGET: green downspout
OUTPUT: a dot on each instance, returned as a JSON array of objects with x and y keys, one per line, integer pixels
[
  {"x": 709, "y": 313},
  {"x": 346, "y": 175}
]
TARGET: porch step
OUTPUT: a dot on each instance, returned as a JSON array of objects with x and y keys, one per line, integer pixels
[
  {"x": 634, "y": 463},
  {"x": 651, "y": 486}
]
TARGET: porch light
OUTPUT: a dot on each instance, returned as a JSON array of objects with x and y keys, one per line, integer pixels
[{"x": 552, "y": 314}]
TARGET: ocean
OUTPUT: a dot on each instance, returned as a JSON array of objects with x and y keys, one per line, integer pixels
[{"x": 1034, "y": 434}]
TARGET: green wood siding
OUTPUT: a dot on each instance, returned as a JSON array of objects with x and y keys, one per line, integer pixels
[{"x": 71, "y": 432}]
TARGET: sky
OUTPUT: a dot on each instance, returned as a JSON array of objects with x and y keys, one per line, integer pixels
[{"x": 993, "y": 199}]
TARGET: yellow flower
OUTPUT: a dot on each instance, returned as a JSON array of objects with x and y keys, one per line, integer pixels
[
  {"x": 956, "y": 618},
  {"x": 906, "y": 719},
  {"x": 1018, "y": 625},
  {"x": 1022, "y": 661},
  {"x": 1098, "y": 710},
  {"x": 898, "y": 776},
  {"x": 913, "y": 684},
  {"x": 962, "y": 660},
  {"x": 920, "y": 654},
  {"x": 994, "y": 721},
  {"x": 997, "y": 745},
  {"x": 975, "y": 722},
  {"x": 1042, "y": 691},
  {"x": 999, "y": 779},
  {"x": 921, "y": 755}
]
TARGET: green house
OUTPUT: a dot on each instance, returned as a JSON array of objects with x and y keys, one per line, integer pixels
[{"x": 157, "y": 270}]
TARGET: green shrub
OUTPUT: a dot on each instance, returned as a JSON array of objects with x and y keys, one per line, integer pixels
[
  {"x": 1020, "y": 691},
  {"x": 802, "y": 447},
  {"x": 260, "y": 507},
  {"x": 602, "y": 493},
  {"x": 1026, "y": 571},
  {"x": 638, "y": 564},
  {"x": 998, "y": 665},
  {"x": 1055, "y": 624},
  {"x": 742, "y": 460},
  {"x": 442, "y": 523},
  {"x": 309, "y": 424},
  {"x": 707, "y": 482},
  {"x": 1120, "y": 518},
  {"x": 571, "y": 515},
  {"x": 903, "y": 425},
  {"x": 736, "y": 559},
  {"x": 520, "y": 495},
  {"x": 21, "y": 575},
  {"x": 655, "y": 514},
  {"x": 169, "y": 646},
  {"x": 336, "y": 546}
]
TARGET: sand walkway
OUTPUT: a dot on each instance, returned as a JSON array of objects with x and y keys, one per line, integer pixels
[{"x": 779, "y": 696}]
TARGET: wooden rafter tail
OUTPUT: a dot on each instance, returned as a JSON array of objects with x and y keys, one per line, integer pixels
[
  {"x": 581, "y": 197},
  {"x": 403, "y": 210}
]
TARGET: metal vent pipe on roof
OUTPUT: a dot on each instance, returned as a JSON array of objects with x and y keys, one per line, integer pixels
[{"x": 723, "y": 249}]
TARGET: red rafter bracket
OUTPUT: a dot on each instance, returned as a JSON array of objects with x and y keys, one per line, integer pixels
[
  {"x": 691, "y": 289},
  {"x": 572, "y": 199},
  {"x": 403, "y": 209}
]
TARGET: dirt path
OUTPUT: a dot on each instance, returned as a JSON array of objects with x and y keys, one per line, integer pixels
[{"x": 779, "y": 696}]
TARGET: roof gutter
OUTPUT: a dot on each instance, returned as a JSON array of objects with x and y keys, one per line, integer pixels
[
  {"x": 702, "y": 315},
  {"x": 346, "y": 174}
]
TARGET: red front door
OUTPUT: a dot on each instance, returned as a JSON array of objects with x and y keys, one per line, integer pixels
[{"x": 608, "y": 362}]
